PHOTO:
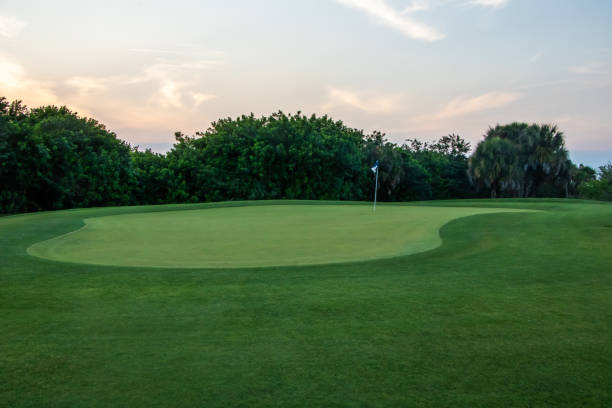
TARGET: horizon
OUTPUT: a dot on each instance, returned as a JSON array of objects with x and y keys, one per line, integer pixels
[{"x": 411, "y": 69}]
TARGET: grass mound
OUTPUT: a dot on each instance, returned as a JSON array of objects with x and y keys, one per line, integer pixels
[{"x": 254, "y": 236}]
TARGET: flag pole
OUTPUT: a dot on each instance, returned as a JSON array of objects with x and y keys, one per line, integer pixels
[{"x": 376, "y": 187}]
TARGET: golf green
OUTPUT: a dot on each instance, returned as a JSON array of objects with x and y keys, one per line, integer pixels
[{"x": 254, "y": 236}]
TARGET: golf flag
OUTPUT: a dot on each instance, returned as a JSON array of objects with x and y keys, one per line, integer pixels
[
  {"x": 375, "y": 170},
  {"x": 375, "y": 167}
]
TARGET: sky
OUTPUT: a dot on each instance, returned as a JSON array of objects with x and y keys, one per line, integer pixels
[{"x": 409, "y": 68}]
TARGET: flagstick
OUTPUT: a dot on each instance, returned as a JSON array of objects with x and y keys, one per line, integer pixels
[{"x": 375, "y": 188}]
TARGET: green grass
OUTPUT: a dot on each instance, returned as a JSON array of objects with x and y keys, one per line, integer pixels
[
  {"x": 266, "y": 235},
  {"x": 513, "y": 309}
]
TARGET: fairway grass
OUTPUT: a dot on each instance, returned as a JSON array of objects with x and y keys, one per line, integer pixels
[
  {"x": 512, "y": 309},
  {"x": 254, "y": 236}
]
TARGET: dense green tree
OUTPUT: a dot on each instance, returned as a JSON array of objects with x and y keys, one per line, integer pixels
[
  {"x": 56, "y": 159},
  {"x": 401, "y": 176},
  {"x": 494, "y": 166},
  {"x": 12, "y": 176},
  {"x": 152, "y": 178},
  {"x": 50, "y": 158},
  {"x": 599, "y": 188},
  {"x": 280, "y": 156},
  {"x": 579, "y": 176},
  {"x": 521, "y": 160},
  {"x": 83, "y": 163},
  {"x": 446, "y": 162}
]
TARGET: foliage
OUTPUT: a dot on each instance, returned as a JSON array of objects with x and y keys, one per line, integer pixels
[
  {"x": 494, "y": 165},
  {"x": 447, "y": 163},
  {"x": 280, "y": 156},
  {"x": 152, "y": 177},
  {"x": 51, "y": 158},
  {"x": 522, "y": 160},
  {"x": 301, "y": 157},
  {"x": 600, "y": 187},
  {"x": 54, "y": 159}
]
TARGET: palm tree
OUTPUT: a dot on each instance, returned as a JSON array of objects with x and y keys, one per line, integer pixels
[
  {"x": 545, "y": 157},
  {"x": 518, "y": 159},
  {"x": 494, "y": 166}
]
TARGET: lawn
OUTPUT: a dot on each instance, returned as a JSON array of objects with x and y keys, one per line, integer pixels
[
  {"x": 514, "y": 308},
  {"x": 262, "y": 235}
]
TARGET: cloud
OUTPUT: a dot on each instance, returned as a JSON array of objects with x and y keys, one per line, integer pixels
[
  {"x": 535, "y": 57},
  {"x": 199, "y": 98},
  {"x": 160, "y": 96},
  {"x": 400, "y": 21},
  {"x": 169, "y": 89},
  {"x": 152, "y": 51},
  {"x": 88, "y": 85},
  {"x": 489, "y": 3},
  {"x": 462, "y": 106},
  {"x": 17, "y": 84},
  {"x": 370, "y": 104},
  {"x": 10, "y": 27},
  {"x": 168, "y": 85},
  {"x": 457, "y": 115},
  {"x": 590, "y": 69},
  {"x": 172, "y": 82},
  {"x": 416, "y": 5}
]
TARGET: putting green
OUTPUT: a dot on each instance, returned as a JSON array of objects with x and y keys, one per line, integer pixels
[{"x": 254, "y": 236}]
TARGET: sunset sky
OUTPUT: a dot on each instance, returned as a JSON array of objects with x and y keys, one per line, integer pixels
[{"x": 408, "y": 68}]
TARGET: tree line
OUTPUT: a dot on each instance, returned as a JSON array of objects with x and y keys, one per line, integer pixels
[{"x": 51, "y": 158}]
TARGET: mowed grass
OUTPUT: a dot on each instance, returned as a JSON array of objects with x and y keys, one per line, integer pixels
[
  {"x": 513, "y": 309},
  {"x": 266, "y": 235}
]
